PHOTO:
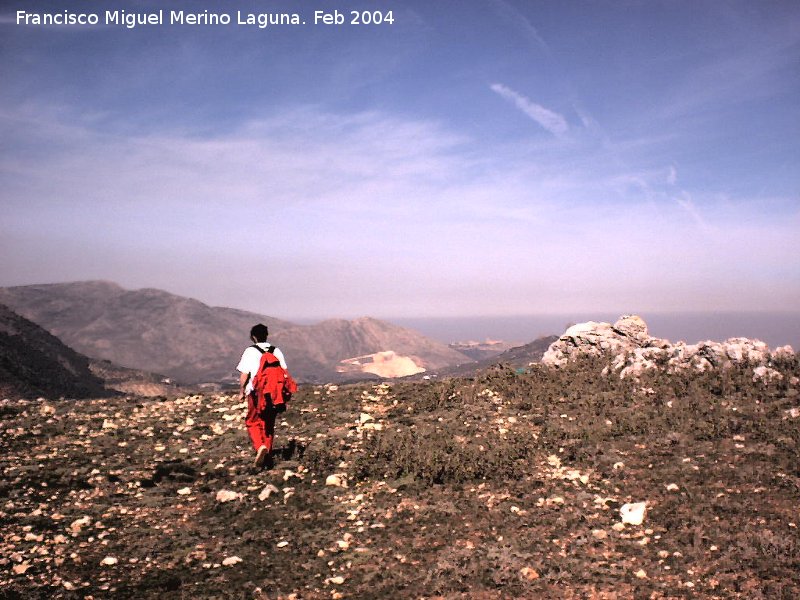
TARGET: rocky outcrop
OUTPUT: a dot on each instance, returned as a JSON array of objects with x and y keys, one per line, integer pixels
[{"x": 631, "y": 350}]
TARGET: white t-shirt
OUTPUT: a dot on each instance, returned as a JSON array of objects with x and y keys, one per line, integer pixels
[{"x": 251, "y": 359}]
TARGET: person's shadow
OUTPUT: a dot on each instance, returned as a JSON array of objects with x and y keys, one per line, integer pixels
[{"x": 290, "y": 451}]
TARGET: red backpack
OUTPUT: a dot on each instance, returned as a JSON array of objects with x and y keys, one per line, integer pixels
[{"x": 272, "y": 384}]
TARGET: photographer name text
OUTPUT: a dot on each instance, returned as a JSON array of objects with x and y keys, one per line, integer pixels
[{"x": 131, "y": 20}]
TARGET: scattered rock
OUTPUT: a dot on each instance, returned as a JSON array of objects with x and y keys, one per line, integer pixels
[
  {"x": 227, "y": 496},
  {"x": 336, "y": 480},
  {"x": 633, "y": 513},
  {"x": 268, "y": 490},
  {"x": 79, "y": 524},
  {"x": 231, "y": 560}
]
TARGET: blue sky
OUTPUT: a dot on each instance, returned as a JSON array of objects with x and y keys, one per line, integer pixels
[{"x": 474, "y": 158}]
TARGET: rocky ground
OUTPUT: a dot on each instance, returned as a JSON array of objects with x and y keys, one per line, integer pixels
[{"x": 552, "y": 483}]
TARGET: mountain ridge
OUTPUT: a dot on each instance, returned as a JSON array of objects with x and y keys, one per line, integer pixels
[{"x": 192, "y": 342}]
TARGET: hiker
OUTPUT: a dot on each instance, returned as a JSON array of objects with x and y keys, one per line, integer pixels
[{"x": 261, "y": 411}]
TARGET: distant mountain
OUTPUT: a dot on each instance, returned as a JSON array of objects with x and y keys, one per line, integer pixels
[
  {"x": 518, "y": 357},
  {"x": 481, "y": 350},
  {"x": 35, "y": 363},
  {"x": 144, "y": 329},
  {"x": 522, "y": 356},
  {"x": 321, "y": 349},
  {"x": 192, "y": 342}
]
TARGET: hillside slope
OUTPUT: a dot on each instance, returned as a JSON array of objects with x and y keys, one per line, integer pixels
[
  {"x": 320, "y": 348},
  {"x": 144, "y": 329},
  {"x": 35, "y": 363},
  {"x": 516, "y": 357}
]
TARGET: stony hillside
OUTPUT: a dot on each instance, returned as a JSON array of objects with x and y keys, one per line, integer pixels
[
  {"x": 527, "y": 353},
  {"x": 35, "y": 363},
  {"x": 553, "y": 483},
  {"x": 191, "y": 342},
  {"x": 133, "y": 381}
]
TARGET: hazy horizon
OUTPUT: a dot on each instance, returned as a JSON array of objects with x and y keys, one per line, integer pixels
[
  {"x": 480, "y": 157},
  {"x": 773, "y": 328},
  {"x": 776, "y": 328}
]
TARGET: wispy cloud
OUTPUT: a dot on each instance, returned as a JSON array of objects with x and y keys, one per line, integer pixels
[
  {"x": 686, "y": 203},
  {"x": 551, "y": 121},
  {"x": 672, "y": 175},
  {"x": 522, "y": 23},
  {"x": 758, "y": 64}
]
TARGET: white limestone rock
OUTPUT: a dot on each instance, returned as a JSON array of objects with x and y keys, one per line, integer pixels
[
  {"x": 633, "y": 513},
  {"x": 766, "y": 374},
  {"x": 268, "y": 490},
  {"x": 632, "y": 351},
  {"x": 227, "y": 496},
  {"x": 336, "y": 480}
]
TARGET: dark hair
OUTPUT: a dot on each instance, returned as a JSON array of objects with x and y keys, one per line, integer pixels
[{"x": 260, "y": 332}]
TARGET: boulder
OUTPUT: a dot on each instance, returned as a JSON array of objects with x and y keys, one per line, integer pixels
[{"x": 632, "y": 327}]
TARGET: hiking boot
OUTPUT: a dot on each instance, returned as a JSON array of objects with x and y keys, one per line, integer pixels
[{"x": 262, "y": 457}]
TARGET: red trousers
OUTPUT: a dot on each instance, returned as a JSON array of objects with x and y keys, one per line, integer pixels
[{"x": 260, "y": 424}]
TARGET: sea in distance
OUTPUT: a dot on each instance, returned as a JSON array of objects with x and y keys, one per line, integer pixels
[{"x": 773, "y": 328}]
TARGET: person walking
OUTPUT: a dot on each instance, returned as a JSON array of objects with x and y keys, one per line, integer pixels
[{"x": 260, "y": 420}]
